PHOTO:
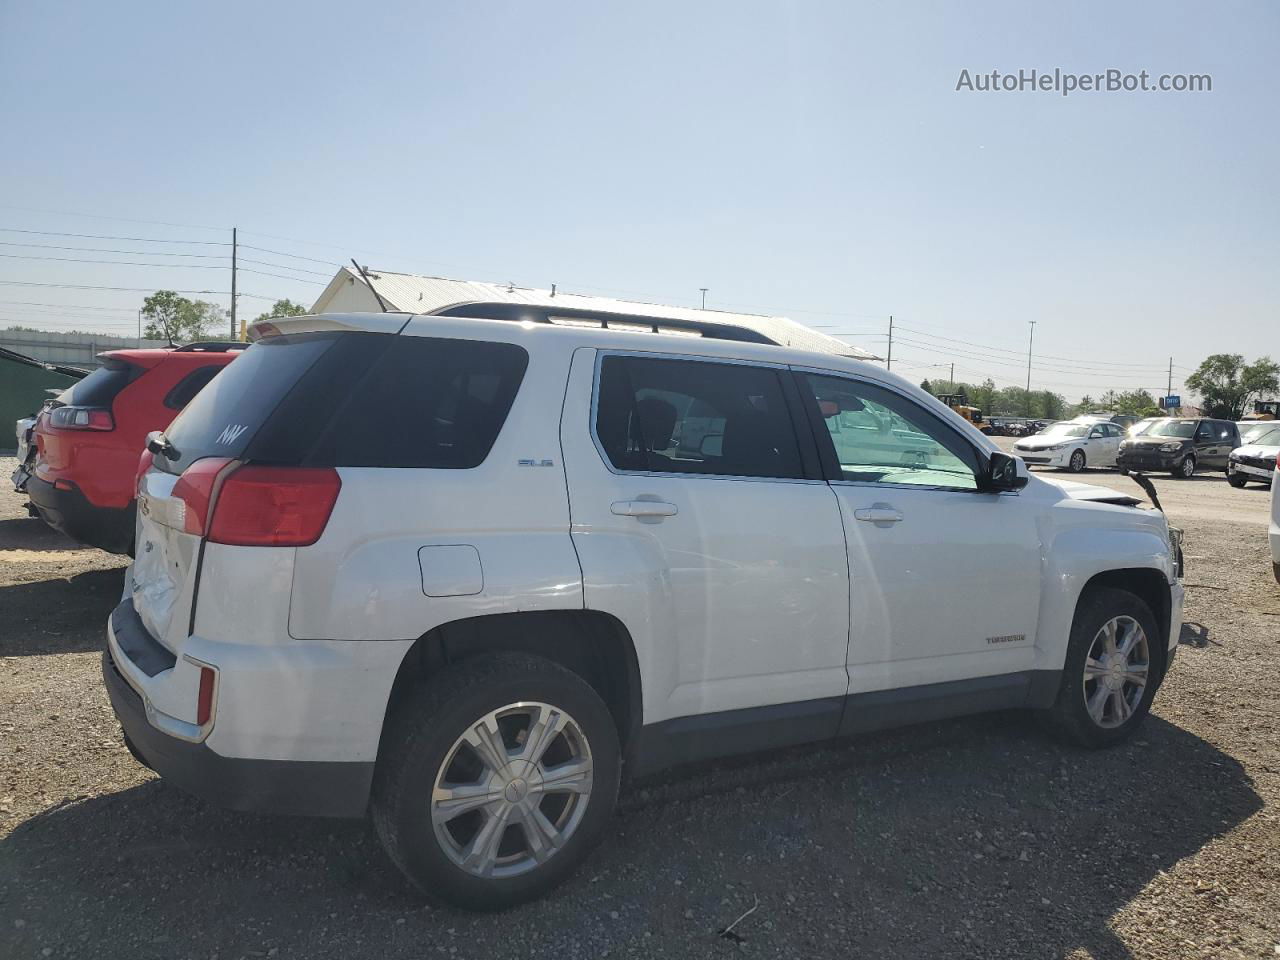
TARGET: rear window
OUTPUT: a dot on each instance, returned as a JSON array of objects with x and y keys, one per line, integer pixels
[
  {"x": 99, "y": 388},
  {"x": 185, "y": 390},
  {"x": 353, "y": 400},
  {"x": 230, "y": 411}
]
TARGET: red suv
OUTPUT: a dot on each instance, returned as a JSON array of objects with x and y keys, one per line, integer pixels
[{"x": 89, "y": 439}]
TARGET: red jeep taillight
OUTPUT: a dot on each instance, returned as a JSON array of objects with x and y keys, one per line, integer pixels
[
  {"x": 81, "y": 418},
  {"x": 274, "y": 506}
]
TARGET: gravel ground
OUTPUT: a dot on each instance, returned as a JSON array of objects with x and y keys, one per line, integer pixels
[{"x": 971, "y": 838}]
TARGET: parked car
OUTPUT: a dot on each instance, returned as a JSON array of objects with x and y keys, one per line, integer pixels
[
  {"x": 1072, "y": 445},
  {"x": 1274, "y": 527},
  {"x": 1181, "y": 446},
  {"x": 25, "y": 454},
  {"x": 469, "y": 613},
  {"x": 1255, "y": 458},
  {"x": 89, "y": 439}
]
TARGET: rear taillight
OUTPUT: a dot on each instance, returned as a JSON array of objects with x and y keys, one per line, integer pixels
[
  {"x": 274, "y": 506},
  {"x": 81, "y": 418},
  {"x": 195, "y": 489},
  {"x": 204, "y": 698}
]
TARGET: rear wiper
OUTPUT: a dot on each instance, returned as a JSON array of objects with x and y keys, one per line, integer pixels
[{"x": 158, "y": 443}]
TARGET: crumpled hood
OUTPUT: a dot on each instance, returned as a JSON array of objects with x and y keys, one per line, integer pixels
[
  {"x": 1257, "y": 450},
  {"x": 1088, "y": 491}
]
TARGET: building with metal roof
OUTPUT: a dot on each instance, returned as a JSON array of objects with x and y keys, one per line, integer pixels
[{"x": 407, "y": 293}]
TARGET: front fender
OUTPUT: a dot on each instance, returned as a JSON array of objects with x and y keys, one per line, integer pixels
[{"x": 1077, "y": 547}]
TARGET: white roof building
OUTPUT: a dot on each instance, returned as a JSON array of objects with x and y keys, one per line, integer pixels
[{"x": 407, "y": 293}]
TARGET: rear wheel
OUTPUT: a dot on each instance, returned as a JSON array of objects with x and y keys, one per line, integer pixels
[
  {"x": 1111, "y": 670},
  {"x": 496, "y": 779},
  {"x": 1076, "y": 463},
  {"x": 1187, "y": 468},
  {"x": 1237, "y": 480}
]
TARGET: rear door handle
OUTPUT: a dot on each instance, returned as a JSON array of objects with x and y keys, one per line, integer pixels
[
  {"x": 643, "y": 508},
  {"x": 878, "y": 514}
]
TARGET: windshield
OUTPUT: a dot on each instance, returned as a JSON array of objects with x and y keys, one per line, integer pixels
[
  {"x": 1066, "y": 430},
  {"x": 1141, "y": 427},
  {"x": 1184, "y": 429},
  {"x": 1262, "y": 434}
]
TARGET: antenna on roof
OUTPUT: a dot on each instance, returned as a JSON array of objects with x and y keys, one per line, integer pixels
[{"x": 369, "y": 283}]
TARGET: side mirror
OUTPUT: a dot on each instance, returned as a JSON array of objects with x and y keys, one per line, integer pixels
[{"x": 1004, "y": 473}]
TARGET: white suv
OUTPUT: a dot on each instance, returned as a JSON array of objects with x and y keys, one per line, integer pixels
[{"x": 464, "y": 572}]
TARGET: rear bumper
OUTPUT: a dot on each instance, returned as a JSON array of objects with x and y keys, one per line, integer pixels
[
  {"x": 1138, "y": 464},
  {"x": 310, "y": 788},
  {"x": 70, "y": 512}
]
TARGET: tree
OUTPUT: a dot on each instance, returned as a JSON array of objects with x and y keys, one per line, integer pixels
[
  {"x": 1227, "y": 385},
  {"x": 924, "y": 385},
  {"x": 283, "y": 308},
  {"x": 1134, "y": 402},
  {"x": 176, "y": 319}
]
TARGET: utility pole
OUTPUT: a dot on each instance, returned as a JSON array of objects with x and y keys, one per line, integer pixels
[
  {"x": 704, "y": 296},
  {"x": 234, "y": 329},
  {"x": 1169, "y": 389},
  {"x": 139, "y": 328},
  {"x": 1030, "y": 342},
  {"x": 953, "y": 376},
  {"x": 888, "y": 363}
]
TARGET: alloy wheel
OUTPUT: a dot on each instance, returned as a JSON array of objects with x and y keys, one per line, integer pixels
[
  {"x": 1077, "y": 461},
  {"x": 512, "y": 790},
  {"x": 1188, "y": 466},
  {"x": 1116, "y": 671}
]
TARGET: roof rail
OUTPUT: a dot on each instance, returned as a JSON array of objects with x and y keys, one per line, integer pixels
[
  {"x": 539, "y": 314},
  {"x": 211, "y": 346}
]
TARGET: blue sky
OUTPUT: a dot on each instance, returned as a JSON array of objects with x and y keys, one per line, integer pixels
[{"x": 808, "y": 159}]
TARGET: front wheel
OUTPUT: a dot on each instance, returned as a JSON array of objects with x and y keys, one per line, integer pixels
[
  {"x": 1076, "y": 463},
  {"x": 1237, "y": 480},
  {"x": 1187, "y": 468},
  {"x": 1111, "y": 670},
  {"x": 496, "y": 779}
]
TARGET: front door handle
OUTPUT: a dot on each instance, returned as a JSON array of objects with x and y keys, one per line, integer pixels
[
  {"x": 878, "y": 514},
  {"x": 643, "y": 508}
]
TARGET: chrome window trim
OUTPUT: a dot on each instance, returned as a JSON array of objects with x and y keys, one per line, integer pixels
[{"x": 602, "y": 353}]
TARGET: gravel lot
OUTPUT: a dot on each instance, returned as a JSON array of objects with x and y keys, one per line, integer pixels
[{"x": 971, "y": 838}]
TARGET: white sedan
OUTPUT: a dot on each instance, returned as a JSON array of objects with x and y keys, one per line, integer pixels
[
  {"x": 1255, "y": 458},
  {"x": 1072, "y": 446}
]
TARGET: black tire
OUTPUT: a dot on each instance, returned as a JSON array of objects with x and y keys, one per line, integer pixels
[
  {"x": 1069, "y": 716},
  {"x": 1186, "y": 467},
  {"x": 1123, "y": 471},
  {"x": 1077, "y": 462},
  {"x": 1237, "y": 480},
  {"x": 422, "y": 731}
]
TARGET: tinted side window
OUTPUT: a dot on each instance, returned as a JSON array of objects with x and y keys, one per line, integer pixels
[
  {"x": 693, "y": 416},
  {"x": 881, "y": 437},
  {"x": 184, "y": 390},
  {"x": 426, "y": 402}
]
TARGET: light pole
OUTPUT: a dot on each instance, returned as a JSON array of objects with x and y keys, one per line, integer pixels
[
  {"x": 1030, "y": 342},
  {"x": 704, "y": 296}
]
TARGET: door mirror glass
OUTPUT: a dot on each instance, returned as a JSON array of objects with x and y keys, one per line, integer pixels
[{"x": 1003, "y": 474}]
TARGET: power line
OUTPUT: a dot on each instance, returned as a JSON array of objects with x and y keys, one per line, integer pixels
[
  {"x": 283, "y": 266},
  {"x": 1018, "y": 353},
  {"x": 132, "y": 253},
  {"x": 103, "y": 236},
  {"x": 90, "y": 286},
  {"x": 69, "y": 306},
  {"x": 280, "y": 276},
  {"x": 115, "y": 263},
  {"x": 295, "y": 256}
]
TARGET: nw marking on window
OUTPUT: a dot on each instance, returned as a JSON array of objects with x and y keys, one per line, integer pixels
[{"x": 229, "y": 434}]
